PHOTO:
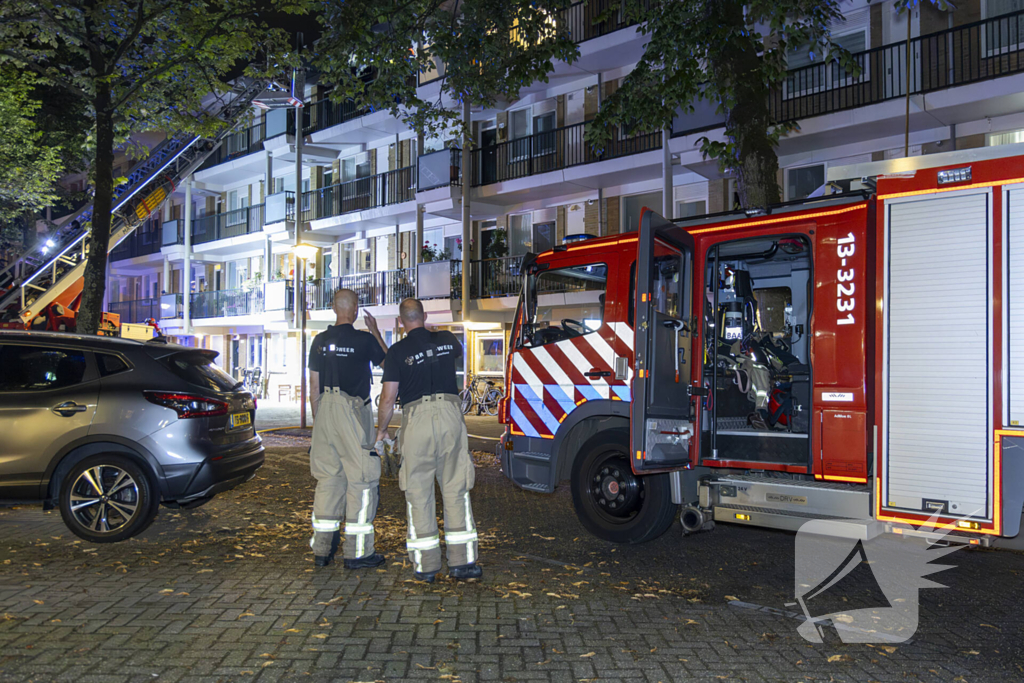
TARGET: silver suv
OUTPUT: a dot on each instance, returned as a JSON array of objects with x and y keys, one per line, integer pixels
[{"x": 107, "y": 429}]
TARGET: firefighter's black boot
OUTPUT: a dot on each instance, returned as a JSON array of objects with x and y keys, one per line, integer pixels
[
  {"x": 322, "y": 560},
  {"x": 374, "y": 560},
  {"x": 466, "y": 571},
  {"x": 425, "y": 577}
]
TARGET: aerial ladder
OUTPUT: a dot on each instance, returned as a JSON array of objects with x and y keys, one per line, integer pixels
[{"x": 49, "y": 278}]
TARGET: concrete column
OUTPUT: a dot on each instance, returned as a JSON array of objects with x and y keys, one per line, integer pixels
[
  {"x": 165, "y": 284},
  {"x": 268, "y": 178},
  {"x": 418, "y": 247},
  {"x": 297, "y": 283},
  {"x": 268, "y": 258},
  {"x": 186, "y": 271},
  {"x": 666, "y": 177},
  {"x": 466, "y": 224}
]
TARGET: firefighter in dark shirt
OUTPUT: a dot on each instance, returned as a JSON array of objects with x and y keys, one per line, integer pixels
[
  {"x": 340, "y": 458},
  {"x": 434, "y": 445}
]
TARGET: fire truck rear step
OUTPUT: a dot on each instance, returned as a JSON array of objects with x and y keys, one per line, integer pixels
[{"x": 789, "y": 503}]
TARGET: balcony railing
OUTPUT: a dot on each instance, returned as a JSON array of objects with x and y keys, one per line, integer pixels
[
  {"x": 324, "y": 113},
  {"x": 137, "y": 310},
  {"x": 386, "y": 287},
  {"x": 958, "y": 56},
  {"x": 146, "y": 239},
  {"x": 552, "y": 151},
  {"x": 218, "y": 226},
  {"x": 172, "y": 305},
  {"x": 227, "y": 303},
  {"x": 237, "y": 144},
  {"x": 581, "y": 19},
  {"x": 383, "y": 189},
  {"x": 279, "y": 207},
  {"x": 439, "y": 169},
  {"x": 496, "y": 277}
]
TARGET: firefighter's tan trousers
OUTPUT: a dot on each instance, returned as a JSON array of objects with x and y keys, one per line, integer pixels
[
  {"x": 347, "y": 475},
  {"x": 434, "y": 445}
]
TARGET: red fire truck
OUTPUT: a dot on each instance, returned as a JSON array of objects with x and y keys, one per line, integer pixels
[{"x": 858, "y": 356}]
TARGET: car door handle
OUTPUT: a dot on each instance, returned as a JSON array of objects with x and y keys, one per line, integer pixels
[
  {"x": 69, "y": 408},
  {"x": 594, "y": 374}
]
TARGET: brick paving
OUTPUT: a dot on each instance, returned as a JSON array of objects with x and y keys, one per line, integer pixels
[{"x": 228, "y": 592}]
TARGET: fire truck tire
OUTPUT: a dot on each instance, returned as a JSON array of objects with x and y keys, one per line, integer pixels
[{"x": 611, "y": 501}]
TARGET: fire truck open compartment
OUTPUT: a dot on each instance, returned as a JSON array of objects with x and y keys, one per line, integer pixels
[{"x": 756, "y": 350}]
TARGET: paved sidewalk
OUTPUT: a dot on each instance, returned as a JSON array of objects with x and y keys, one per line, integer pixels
[{"x": 227, "y": 592}]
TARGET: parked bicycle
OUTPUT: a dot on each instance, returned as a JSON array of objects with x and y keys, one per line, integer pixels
[
  {"x": 484, "y": 394},
  {"x": 251, "y": 379}
]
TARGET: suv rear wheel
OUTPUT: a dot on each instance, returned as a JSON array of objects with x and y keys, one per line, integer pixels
[
  {"x": 613, "y": 503},
  {"x": 107, "y": 498}
]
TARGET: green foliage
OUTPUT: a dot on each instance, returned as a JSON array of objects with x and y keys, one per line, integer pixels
[
  {"x": 725, "y": 52},
  {"x": 29, "y": 168},
  {"x": 137, "y": 66},
  {"x": 434, "y": 253},
  {"x": 499, "y": 244},
  {"x": 161, "y": 59},
  {"x": 490, "y": 50}
]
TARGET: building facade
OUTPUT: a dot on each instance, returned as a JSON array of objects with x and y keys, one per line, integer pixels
[{"x": 216, "y": 267}]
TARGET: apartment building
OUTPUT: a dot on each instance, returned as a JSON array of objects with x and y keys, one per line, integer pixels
[{"x": 371, "y": 192}]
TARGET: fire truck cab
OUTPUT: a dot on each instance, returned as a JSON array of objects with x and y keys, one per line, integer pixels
[{"x": 849, "y": 357}]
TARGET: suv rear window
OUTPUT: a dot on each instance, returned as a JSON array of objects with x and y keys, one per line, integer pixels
[{"x": 200, "y": 370}]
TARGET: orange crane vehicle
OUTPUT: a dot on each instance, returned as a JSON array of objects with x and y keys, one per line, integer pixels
[
  {"x": 41, "y": 289},
  {"x": 856, "y": 359}
]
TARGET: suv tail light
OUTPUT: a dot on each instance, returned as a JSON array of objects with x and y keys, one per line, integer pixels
[{"x": 187, "y": 405}]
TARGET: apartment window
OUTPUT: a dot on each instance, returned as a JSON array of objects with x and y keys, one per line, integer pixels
[
  {"x": 630, "y": 208},
  {"x": 520, "y": 234},
  {"x": 355, "y": 167},
  {"x": 1008, "y": 138},
  {"x": 543, "y": 237},
  {"x": 519, "y": 123},
  {"x": 801, "y": 182},
  {"x": 1003, "y": 35},
  {"x": 328, "y": 177},
  {"x": 853, "y": 34},
  {"x": 691, "y": 209}
]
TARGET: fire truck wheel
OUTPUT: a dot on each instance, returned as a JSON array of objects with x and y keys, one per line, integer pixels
[{"x": 613, "y": 503}]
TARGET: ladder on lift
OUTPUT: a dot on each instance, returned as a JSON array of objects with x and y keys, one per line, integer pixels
[{"x": 35, "y": 282}]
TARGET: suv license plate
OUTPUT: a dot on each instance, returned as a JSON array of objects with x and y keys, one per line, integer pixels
[{"x": 240, "y": 420}]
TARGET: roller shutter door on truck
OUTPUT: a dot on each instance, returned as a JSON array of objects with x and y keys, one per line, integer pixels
[
  {"x": 1014, "y": 305},
  {"x": 937, "y": 451}
]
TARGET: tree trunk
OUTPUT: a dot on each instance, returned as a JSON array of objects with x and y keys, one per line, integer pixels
[
  {"x": 90, "y": 312},
  {"x": 748, "y": 121}
]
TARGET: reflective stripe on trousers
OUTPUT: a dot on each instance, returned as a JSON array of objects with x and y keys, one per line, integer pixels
[
  {"x": 347, "y": 475},
  {"x": 434, "y": 447}
]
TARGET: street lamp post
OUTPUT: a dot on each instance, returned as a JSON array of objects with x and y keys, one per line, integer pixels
[{"x": 302, "y": 252}]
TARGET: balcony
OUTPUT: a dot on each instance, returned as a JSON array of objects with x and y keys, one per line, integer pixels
[
  {"x": 280, "y": 207},
  {"x": 552, "y": 151},
  {"x": 244, "y": 221},
  {"x": 497, "y": 277},
  {"x": 383, "y": 189},
  {"x": 442, "y": 168},
  {"x": 581, "y": 19},
  {"x": 383, "y": 288},
  {"x": 145, "y": 240},
  {"x": 227, "y": 303},
  {"x": 237, "y": 144},
  {"x": 137, "y": 310}
]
